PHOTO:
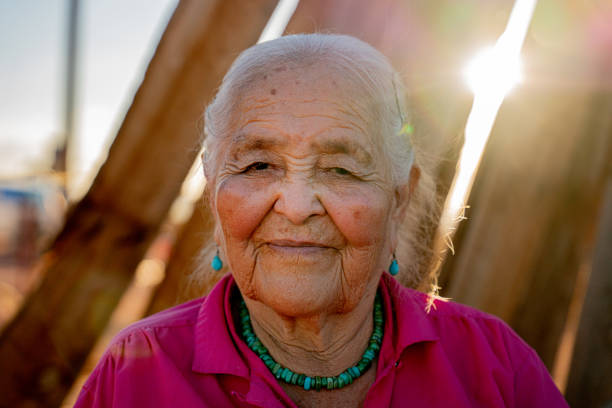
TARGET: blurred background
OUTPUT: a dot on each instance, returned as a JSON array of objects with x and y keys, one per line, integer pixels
[{"x": 101, "y": 221}]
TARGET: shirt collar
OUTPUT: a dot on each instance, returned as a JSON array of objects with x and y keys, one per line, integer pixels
[
  {"x": 215, "y": 351},
  {"x": 406, "y": 319}
]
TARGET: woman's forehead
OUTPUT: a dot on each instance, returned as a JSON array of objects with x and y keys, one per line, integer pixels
[
  {"x": 291, "y": 102},
  {"x": 320, "y": 79},
  {"x": 276, "y": 114},
  {"x": 311, "y": 91}
]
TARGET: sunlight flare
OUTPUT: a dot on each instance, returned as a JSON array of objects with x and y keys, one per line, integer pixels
[{"x": 490, "y": 75}]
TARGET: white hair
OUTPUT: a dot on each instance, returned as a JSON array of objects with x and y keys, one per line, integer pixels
[
  {"x": 377, "y": 89},
  {"x": 362, "y": 66}
]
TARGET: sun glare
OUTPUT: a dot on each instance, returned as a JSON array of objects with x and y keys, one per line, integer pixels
[
  {"x": 491, "y": 74},
  {"x": 493, "y": 70}
]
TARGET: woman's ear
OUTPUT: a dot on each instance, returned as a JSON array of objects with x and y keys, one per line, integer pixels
[{"x": 404, "y": 193}]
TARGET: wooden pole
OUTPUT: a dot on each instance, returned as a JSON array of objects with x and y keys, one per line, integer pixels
[
  {"x": 590, "y": 382},
  {"x": 107, "y": 233},
  {"x": 70, "y": 94}
]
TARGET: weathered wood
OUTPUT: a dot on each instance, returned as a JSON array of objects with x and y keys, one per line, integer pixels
[
  {"x": 568, "y": 236},
  {"x": 534, "y": 204},
  {"x": 590, "y": 382},
  {"x": 107, "y": 233}
]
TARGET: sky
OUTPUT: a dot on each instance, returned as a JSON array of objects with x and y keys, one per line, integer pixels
[{"x": 116, "y": 40}]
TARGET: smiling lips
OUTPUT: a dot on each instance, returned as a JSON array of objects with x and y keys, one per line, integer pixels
[{"x": 301, "y": 247}]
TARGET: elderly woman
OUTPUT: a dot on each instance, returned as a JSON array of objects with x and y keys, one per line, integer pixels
[{"x": 315, "y": 188}]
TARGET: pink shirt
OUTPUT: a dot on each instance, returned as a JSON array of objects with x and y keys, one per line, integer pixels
[{"x": 191, "y": 356}]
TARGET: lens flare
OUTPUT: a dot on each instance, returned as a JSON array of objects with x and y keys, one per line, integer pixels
[
  {"x": 491, "y": 74},
  {"x": 493, "y": 71}
]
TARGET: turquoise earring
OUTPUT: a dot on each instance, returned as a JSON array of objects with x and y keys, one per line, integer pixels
[
  {"x": 394, "y": 267},
  {"x": 217, "y": 263}
]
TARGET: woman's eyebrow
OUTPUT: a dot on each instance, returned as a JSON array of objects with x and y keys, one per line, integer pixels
[
  {"x": 247, "y": 142},
  {"x": 345, "y": 146}
]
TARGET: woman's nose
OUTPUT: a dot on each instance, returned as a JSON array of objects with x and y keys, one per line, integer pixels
[{"x": 297, "y": 200}]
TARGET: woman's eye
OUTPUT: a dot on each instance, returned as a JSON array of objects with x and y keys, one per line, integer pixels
[
  {"x": 257, "y": 166},
  {"x": 341, "y": 171}
]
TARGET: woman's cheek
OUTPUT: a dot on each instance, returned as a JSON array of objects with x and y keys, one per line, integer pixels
[
  {"x": 360, "y": 217},
  {"x": 241, "y": 206}
]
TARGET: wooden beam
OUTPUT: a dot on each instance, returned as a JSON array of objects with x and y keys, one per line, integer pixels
[
  {"x": 590, "y": 382},
  {"x": 533, "y": 208},
  {"x": 107, "y": 233}
]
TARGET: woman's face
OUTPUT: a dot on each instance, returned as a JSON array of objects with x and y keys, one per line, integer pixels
[{"x": 306, "y": 211}]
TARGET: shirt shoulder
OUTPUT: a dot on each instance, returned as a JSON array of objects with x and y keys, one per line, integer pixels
[
  {"x": 478, "y": 354},
  {"x": 461, "y": 323},
  {"x": 418, "y": 318},
  {"x": 184, "y": 314},
  {"x": 164, "y": 336},
  {"x": 518, "y": 371},
  {"x": 160, "y": 343}
]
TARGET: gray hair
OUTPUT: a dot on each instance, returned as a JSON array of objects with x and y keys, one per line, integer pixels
[
  {"x": 366, "y": 69},
  {"x": 381, "y": 97}
]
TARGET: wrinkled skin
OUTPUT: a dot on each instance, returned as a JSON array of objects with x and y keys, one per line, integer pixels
[{"x": 306, "y": 210}]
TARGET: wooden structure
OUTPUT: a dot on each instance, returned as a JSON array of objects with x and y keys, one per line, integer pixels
[
  {"x": 589, "y": 385},
  {"x": 535, "y": 204},
  {"x": 108, "y": 232}
]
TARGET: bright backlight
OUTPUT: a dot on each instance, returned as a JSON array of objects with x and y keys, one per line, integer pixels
[
  {"x": 491, "y": 74},
  {"x": 493, "y": 71}
]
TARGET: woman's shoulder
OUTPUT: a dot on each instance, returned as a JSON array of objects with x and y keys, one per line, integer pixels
[
  {"x": 168, "y": 329},
  {"x": 160, "y": 342},
  {"x": 167, "y": 334},
  {"x": 446, "y": 310},
  {"x": 171, "y": 332},
  {"x": 481, "y": 354},
  {"x": 436, "y": 306},
  {"x": 184, "y": 314},
  {"x": 453, "y": 323}
]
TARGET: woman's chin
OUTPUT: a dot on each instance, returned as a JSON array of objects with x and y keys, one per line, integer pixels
[{"x": 302, "y": 296}]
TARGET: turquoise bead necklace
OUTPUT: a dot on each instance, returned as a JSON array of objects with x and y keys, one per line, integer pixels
[{"x": 315, "y": 382}]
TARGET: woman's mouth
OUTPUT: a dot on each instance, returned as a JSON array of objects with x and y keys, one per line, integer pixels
[{"x": 296, "y": 247}]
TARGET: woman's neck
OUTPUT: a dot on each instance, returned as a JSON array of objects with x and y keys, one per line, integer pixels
[{"x": 319, "y": 345}]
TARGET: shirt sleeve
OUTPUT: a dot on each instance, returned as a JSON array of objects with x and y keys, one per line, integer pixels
[
  {"x": 133, "y": 372},
  {"x": 98, "y": 390},
  {"x": 533, "y": 385}
]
